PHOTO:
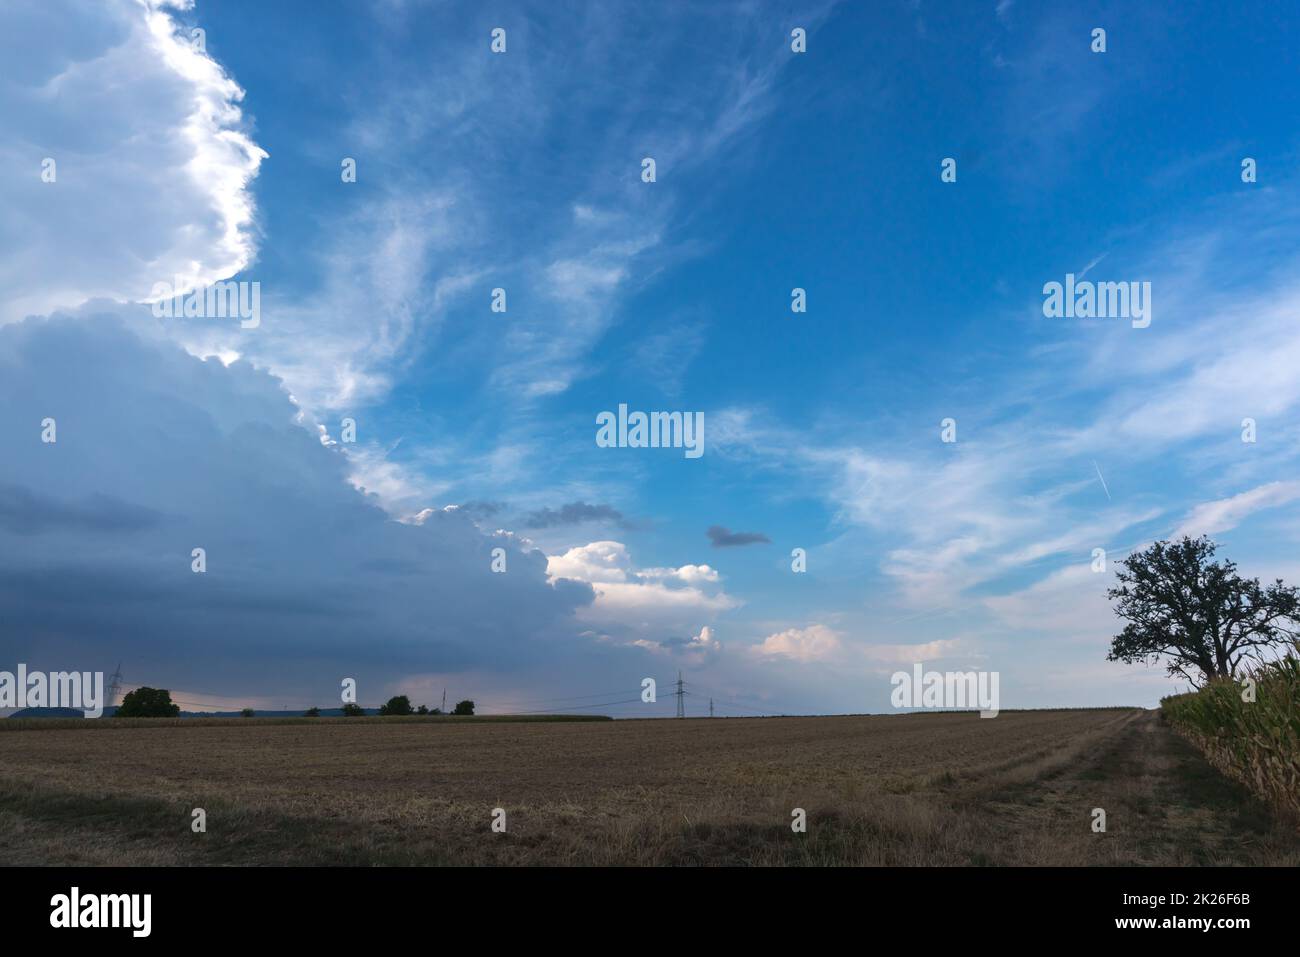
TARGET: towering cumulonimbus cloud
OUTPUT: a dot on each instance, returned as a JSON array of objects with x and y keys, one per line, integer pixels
[
  {"x": 156, "y": 453},
  {"x": 126, "y": 153}
]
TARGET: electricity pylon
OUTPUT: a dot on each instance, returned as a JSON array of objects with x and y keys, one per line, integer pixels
[{"x": 115, "y": 686}]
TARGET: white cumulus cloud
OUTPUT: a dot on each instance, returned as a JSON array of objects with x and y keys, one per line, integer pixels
[{"x": 814, "y": 643}]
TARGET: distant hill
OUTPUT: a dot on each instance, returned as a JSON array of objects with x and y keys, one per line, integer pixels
[{"x": 49, "y": 713}]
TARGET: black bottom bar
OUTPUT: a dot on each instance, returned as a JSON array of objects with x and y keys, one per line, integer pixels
[{"x": 932, "y": 908}]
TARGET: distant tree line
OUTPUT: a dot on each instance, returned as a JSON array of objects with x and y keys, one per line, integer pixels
[
  {"x": 397, "y": 705},
  {"x": 157, "y": 703}
]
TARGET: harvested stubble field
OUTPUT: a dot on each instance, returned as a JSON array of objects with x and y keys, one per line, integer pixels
[{"x": 900, "y": 790}]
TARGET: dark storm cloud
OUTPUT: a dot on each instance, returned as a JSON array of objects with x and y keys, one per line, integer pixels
[
  {"x": 25, "y": 512},
  {"x": 480, "y": 511},
  {"x": 574, "y": 513},
  {"x": 304, "y": 577},
  {"x": 676, "y": 642},
  {"x": 724, "y": 538}
]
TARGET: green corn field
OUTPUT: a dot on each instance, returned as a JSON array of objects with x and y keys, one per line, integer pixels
[{"x": 1257, "y": 742}]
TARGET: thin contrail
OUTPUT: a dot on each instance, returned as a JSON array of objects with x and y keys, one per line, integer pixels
[
  {"x": 1103, "y": 481},
  {"x": 1088, "y": 268}
]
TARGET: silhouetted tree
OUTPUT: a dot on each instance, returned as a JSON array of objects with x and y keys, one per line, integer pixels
[
  {"x": 351, "y": 710},
  {"x": 398, "y": 704},
  {"x": 148, "y": 703},
  {"x": 311, "y": 713},
  {"x": 464, "y": 707},
  {"x": 247, "y": 713},
  {"x": 1201, "y": 616},
  {"x": 423, "y": 709}
]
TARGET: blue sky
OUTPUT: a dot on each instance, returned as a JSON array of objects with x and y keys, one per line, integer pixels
[{"x": 522, "y": 171}]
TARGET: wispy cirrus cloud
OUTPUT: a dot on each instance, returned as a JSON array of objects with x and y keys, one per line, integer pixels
[
  {"x": 1019, "y": 495},
  {"x": 1210, "y": 518}
]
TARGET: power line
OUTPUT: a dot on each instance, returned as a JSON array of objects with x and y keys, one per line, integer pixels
[
  {"x": 579, "y": 707},
  {"x": 741, "y": 707},
  {"x": 205, "y": 694},
  {"x": 681, "y": 689},
  {"x": 577, "y": 697}
]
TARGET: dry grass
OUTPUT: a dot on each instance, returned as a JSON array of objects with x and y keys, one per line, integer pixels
[{"x": 912, "y": 790}]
